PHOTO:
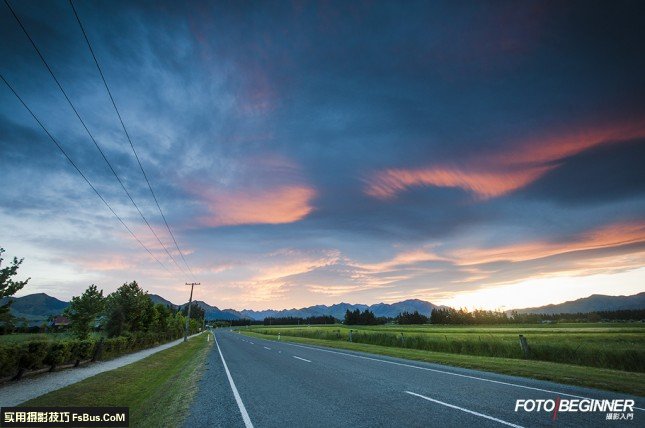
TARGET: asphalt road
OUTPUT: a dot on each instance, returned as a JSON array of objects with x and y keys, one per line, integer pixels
[{"x": 264, "y": 383}]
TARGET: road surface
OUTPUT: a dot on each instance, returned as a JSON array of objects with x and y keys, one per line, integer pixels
[{"x": 262, "y": 383}]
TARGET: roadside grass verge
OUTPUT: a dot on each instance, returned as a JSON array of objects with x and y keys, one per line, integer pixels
[
  {"x": 158, "y": 389},
  {"x": 611, "y": 380}
]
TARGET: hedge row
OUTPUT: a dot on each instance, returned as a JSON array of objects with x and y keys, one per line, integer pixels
[{"x": 39, "y": 354}]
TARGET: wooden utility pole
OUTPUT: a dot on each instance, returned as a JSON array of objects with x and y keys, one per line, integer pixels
[{"x": 190, "y": 303}]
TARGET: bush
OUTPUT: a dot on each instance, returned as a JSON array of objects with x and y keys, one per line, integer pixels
[
  {"x": 32, "y": 354},
  {"x": 58, "y": 353},
  {"x": 83, "y": 349},
  {"x": 9, "y": 363},
  {"x": 39, "y": 354}
]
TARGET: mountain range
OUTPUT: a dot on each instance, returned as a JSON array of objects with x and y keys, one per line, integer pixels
[
  {"x": 37, "y": 307},
  {"x": 593, "y": 303}
]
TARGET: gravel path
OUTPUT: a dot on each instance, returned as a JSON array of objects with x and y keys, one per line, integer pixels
[{"x": 14, "y": 393}]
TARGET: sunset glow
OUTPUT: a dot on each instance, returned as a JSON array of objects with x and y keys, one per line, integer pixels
[{"x": 298, "y": 154}]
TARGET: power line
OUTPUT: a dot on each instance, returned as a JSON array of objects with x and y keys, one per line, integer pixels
[
  {"x": 89, "y": 133},
  {"x": 79, "y": 171},
  {"x": 107, "y": 88}
]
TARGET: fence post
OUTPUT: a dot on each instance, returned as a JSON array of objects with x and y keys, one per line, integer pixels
[
  {"x": 18, "y": 375},
  {"x": 525, "y": 346},
  {"x": 350, "y": 335}
]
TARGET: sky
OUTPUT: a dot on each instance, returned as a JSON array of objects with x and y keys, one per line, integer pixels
[{"x": 477, "y": 154}]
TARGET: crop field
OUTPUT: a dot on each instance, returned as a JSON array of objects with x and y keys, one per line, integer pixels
[{"x": 618, "y": 346}]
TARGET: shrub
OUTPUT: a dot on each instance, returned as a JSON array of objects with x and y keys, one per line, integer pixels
[
  {"x": 32, "y": 354},
  {"x": 43, "y": 353},
  {"x": 58, "y": 353}
]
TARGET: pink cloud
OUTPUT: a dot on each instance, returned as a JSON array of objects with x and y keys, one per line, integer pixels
[
  {"x": 556, "y": 147},
  {"x": 614, "y": 235},
  {"x": 484, "y": 184},
  {"x": 277, "y": 205},
  {"x": 493, "y": 175}
]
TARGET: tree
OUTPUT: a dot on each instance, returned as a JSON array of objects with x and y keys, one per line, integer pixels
[
  {"x": 408, "y": 318},
  {"x": 352, "y": 317},
  {"x": 83, "y": 310},
  {"x": 366, "y": 317},
  {"x": 150, "y": 316},
  {"x": 127, "y": 309},
  {"x": 9, "y": 287},
  {"x": 115, "y": 324},
  {"x": 164, "y": 318}
]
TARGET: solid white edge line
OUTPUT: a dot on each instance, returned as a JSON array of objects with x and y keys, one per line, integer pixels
[
  {"x": 301, "y": 359},
  {"x": 447, "y": 372},
  {"x": 238, "y": 399},
  {"x": 452, "y": 406}
]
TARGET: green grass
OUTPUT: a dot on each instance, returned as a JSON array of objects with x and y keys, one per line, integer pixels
[
  {"x": 610, "y": 346},
  {"x": 158, "y": 389},
  {"x": 497, "y": 349}
]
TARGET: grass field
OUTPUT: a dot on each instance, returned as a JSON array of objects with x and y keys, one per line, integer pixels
[
  {"x": 620, "y": 347},
  {"x": 608, "y": 356},
  {"x": 158, "y": 389}
]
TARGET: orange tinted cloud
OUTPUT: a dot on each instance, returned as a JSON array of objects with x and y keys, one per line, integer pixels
[
  {"x": 609, "y": 236},
  {"x": 275, "y": 274},
  {"x": 570, "y": 143},
  {"x": 483, "y": 184},
  {"x": 285, "y": 204},
  {"x": 407, "y": 258},
  {"x": 495, "y": 175}
]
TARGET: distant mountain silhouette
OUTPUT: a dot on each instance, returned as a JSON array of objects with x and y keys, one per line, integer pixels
[
  {"x": 338, "y": 310},
  {"x": 215, "y": 313},
  {"x": 595, "y": 302},
  {"x": 37, "y": 307},
  {"x": 158, "y": 299}
]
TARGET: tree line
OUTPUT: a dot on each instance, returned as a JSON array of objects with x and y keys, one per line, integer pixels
[
  {"x": 127, "y": 310},
  {"x": 463, "y": 316},
  {"x": 480, "y": 316},
  {"x": 322, "y": 319},
  {"x": 594, "y": 316},
  {"x": 367, "y": 317},
  {"x": 411, "y": 318}
]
